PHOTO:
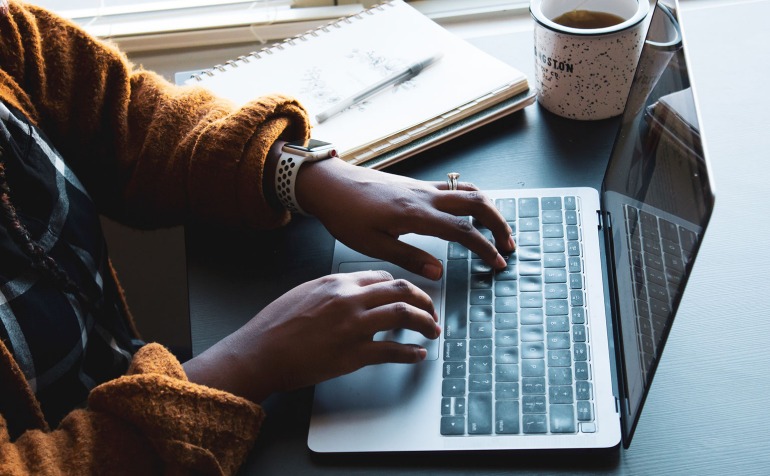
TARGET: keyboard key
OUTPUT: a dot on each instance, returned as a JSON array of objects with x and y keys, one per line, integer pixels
[
  {"x": 507, "y": 355},
  {"x": 506, "y": 288},
  {"x": 575, "y": 281},
  {"x": 531, "y": 300},
  {"x": 506, "y": 338},
  {"x": 481, "y": 296},
  {"x": 454, "y": 369},
  {"x": 533, "y": 368},
  {"x": 529, "y": 207},
  {"x": 585, "y": 411},
  {"x": 574, "y": 264},
  {"x": 533, "y": 386},
  {"x": 479, "y": 413},
  {"x": 532, "y": 333},
  {"x": 529, "y": 224},
  {"x": 570, "y": 217},
  {"x": 507, "y": 373},
  {"x": 453, "y": 387},
  {"x": 507, "y": 304},
  {"x": 533, "y": 404},
  {"x": 581, "y": 371},
  {"x": 560, "y": 376},
  {"x": 572, "y": 233},
  {"x": 556, "y": 291},
  {"x": 560, "y": 394},
  {"x": 455, "y": 350},
  {"x": 570, "y": 203},
  {"x": 528, "y": 239},
  {"x": 506, "y": 321},
  {"x": 446, "y": 406},
  {"x": 455, "y": 322},
  {"x": 553, "y": 231},
  {"x": 555, "y": 307},
  {"x": 557, "y": 323},
  {"x": 554, "y": 260},
  {"x": 452, "y": 425},
  {"x": 560, "y": 358},
  {"x": 531, "y": 316},
  {"x": 534, "y": 423},
  {"x": 508, "y": 273},
  {"x": 457, "y": 251},
  {"x": 562, "y": 418},
  {"x": 479, "y": 330},
  {"x": 480, "y": 314},
  {"x": 507, "y": 208},
  {"x": 480, "y": 365},
  {"x": 553, "y": 245},
  {"x": 552, "y": 217},
  {"x": 507, "y": 417},
  {"x": 532, "y": 350},
  {"x": 481, "y": 281},
  {"x": 480, "y": 383},
  {"x": 480, "y": 347},
  {"x": 550, "y": 203},
  {"x": 554, "y": 275},
  {"x": 583, "y": 390},
  {"x": 459, "y": 406},
  {"x": 530, "y": 253},
  {"x": 506, "y": 391},
  {"x": 480, "y": 266},
  {"x": 558, "y": 340}
]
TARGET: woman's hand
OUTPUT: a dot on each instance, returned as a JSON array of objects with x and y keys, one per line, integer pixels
[
  {"x": 368, "y": 210},
  {"x": 318, "y": 330}
]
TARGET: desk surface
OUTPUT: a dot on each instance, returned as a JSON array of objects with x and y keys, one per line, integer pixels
[{"x": 707, "y": 408}]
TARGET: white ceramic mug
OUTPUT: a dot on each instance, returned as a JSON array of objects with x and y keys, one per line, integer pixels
[{"x": 586, "y": 73}]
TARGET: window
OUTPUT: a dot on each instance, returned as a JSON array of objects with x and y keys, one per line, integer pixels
[{"x": 138, "y": 25}]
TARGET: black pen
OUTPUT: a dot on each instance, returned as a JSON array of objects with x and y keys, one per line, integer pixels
[{"x": 407, "y": 73}]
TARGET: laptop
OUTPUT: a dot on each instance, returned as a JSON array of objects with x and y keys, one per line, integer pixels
[{"x": 557, "y": 351}]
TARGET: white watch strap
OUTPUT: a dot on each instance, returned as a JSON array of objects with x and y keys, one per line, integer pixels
[{"x": 286, "y": 181}]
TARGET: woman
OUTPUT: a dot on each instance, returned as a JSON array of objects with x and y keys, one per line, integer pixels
[{"x": 85, "y": 133}]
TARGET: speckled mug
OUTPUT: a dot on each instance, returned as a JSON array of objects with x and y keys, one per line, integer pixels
[{"x": 586, "y": 73}]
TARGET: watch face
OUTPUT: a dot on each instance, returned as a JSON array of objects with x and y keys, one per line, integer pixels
[{"x": 309, "y": 145}]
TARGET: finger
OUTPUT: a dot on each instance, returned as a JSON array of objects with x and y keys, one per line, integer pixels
[
  {"x": 369, "y": 277},
  {"x": 463, "y": 186},
  {"x": 411, "y": 258},
  {"x": 397, "y": 290},
  {"x": 401, "y": 315},
  {"x": 451, "y": 228},
  {"x": 479, "y": 206},
  {"x": 382, "y": 352}
]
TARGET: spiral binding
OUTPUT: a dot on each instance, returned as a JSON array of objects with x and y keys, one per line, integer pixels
[{"x": 269, "y": 50}]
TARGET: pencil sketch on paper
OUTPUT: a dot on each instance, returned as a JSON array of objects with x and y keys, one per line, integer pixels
[{"x": 322, "y": 93}]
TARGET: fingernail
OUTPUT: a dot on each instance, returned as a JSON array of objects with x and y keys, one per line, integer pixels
[
  {"x": 431, "y": 271},
  {"x": 422, "y": 353},
  {"x": 511, "y": 243},
  {"x": 500, "y": 262},
  {"x": 438, "y": 330}
]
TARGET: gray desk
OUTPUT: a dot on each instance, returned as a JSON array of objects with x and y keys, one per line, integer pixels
[{"x": 708, "y": 408}]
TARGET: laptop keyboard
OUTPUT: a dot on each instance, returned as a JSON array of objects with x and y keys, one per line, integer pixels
[
  {"x": 515, "y": 351},
  {"x": 658, "y": 251}
]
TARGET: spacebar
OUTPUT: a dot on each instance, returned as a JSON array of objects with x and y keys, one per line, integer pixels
[{"x": 456, "y": 306}]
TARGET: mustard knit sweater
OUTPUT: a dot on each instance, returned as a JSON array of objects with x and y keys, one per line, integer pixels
[{"x": 150, "y": 154}]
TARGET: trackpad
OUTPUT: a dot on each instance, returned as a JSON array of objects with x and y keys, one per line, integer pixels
[{"x": 432, "y": 288}]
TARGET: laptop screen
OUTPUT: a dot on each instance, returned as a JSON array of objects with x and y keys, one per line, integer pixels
[{"x": 658, "y": 199}]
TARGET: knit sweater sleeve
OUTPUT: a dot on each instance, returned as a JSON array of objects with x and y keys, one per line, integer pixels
[
  {"x": 150, "y": 421},
  {"x": 150, "y": 153}
]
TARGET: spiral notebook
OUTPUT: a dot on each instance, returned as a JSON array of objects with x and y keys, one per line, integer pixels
[{"x": 464, "y": 89}]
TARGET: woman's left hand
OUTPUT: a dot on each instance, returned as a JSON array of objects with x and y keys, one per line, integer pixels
[{"x": 368, "y": 210}]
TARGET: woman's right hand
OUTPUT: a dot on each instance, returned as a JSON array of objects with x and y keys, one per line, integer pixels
[{"x": 318, "y": 330}]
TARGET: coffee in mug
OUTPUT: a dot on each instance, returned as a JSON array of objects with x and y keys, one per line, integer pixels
[{"x": 586, "y": 53}]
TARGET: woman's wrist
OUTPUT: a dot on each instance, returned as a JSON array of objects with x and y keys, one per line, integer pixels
[{"x": 268, "y": 174}]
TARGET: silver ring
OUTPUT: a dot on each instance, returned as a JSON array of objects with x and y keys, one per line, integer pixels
[{"x": 452, "y": 180}]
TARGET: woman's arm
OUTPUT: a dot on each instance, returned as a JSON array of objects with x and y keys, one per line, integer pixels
[{"x": 150, "y": 153}]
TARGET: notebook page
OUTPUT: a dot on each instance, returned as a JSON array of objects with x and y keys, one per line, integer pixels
[{"x": 330, "y": 64}]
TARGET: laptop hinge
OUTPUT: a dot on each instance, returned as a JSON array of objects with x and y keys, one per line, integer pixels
[{"x": 600, "y": 219}]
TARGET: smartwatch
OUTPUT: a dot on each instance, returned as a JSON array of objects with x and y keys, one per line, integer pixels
[{"x": 293, "y": 155}]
